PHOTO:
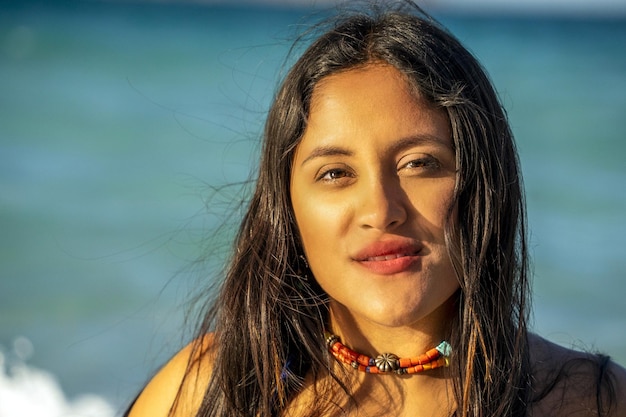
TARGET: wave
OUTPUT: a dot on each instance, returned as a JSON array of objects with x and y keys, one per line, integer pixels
[{"x": 26, "y": 391}]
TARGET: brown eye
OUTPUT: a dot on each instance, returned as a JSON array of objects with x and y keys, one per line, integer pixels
[
  {"x": 336, "y": 174},
  {"x": 426, "y": 162},
  {"x": 333, "y": 174}
]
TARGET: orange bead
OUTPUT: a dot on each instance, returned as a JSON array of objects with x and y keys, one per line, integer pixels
[
  {"x": 433, "y": 354},
  {"x": 405, "y": 362},
  {"x": 363, "y": 360}
]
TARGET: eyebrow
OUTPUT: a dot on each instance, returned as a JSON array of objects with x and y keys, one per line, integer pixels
[
  {"x": 323, "y": 151},
  {"x": 403, "y": 143},
  {"x": 415, "y": 140}
]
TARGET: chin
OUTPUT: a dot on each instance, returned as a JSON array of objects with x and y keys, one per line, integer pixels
[
  {"x": 415, "y": 313},
  {"x": 394, "y": 317}
]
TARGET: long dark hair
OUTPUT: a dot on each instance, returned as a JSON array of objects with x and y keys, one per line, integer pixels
[{"x": 269, "y": 318}]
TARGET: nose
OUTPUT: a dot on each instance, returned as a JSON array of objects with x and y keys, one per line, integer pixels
[{"x": 382, "y": 206}]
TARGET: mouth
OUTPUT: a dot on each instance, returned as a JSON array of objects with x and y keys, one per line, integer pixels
[
  {"x": 388, "y": 258},
  {"x": 388, "y": 250}
]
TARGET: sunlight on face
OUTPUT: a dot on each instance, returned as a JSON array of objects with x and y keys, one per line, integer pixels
[{"x": 372, "y": 181}]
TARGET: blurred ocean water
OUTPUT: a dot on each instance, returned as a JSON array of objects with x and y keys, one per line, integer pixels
[{"x": 117, "y": 122}]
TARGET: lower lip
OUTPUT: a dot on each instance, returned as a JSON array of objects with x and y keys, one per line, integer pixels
[{"x": 391, "y": 266}]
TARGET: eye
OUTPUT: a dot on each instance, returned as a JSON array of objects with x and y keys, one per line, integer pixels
[
  {"x": 334, "y": 175},
  {"x": 418, "y": 163},
  {"x": 422, "y": 163}
]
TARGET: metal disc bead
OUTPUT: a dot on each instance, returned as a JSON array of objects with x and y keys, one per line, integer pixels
[{"x": 387, "y": 362}]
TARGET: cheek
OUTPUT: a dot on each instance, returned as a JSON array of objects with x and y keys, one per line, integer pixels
[
  {"x": 317, "y": 226},
  {"x": 323, "y": 226},
  {"x": 432, "y": 205},
  {"x": 309, "y": 220}
]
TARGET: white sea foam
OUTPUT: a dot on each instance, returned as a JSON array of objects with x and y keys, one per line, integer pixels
[{"x": 26, "y": 391}]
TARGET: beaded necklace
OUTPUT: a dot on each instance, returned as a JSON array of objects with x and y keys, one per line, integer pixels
[{"x": 388, "y": 362}]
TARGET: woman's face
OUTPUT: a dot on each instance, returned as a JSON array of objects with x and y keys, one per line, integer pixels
[{"x": 372, "y": 181}]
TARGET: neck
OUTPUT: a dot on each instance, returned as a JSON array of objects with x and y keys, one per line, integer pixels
[
  {"x": 423, "y": 394},
  {"x": 405, "y": 340},
  {"x": 428, "y": 393}
]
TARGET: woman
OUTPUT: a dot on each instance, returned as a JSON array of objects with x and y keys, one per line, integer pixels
[{"x": 388, "y": 216}]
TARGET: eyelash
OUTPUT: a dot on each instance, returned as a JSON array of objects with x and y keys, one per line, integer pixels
[
  {"x": 332, "y": 175},
  {"x": 344, "y": 173},
  {"x": 426, "y": 162}
]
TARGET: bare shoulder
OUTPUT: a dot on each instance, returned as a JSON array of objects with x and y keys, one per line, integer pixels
[
  {"x": 573, "y": 383},
  {"x": 178, "y": 388}
]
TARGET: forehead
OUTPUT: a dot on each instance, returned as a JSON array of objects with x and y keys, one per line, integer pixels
[
  {"x": 376, "y": 101},
  {"x": 374, "y": 79}
]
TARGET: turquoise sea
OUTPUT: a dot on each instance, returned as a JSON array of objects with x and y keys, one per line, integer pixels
[{"x": 120, "y": 123}]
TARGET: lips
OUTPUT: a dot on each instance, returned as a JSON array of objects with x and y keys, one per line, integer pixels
[
  {"x": 385, "y": 257},
  {"x": 390, "y": 257}
]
